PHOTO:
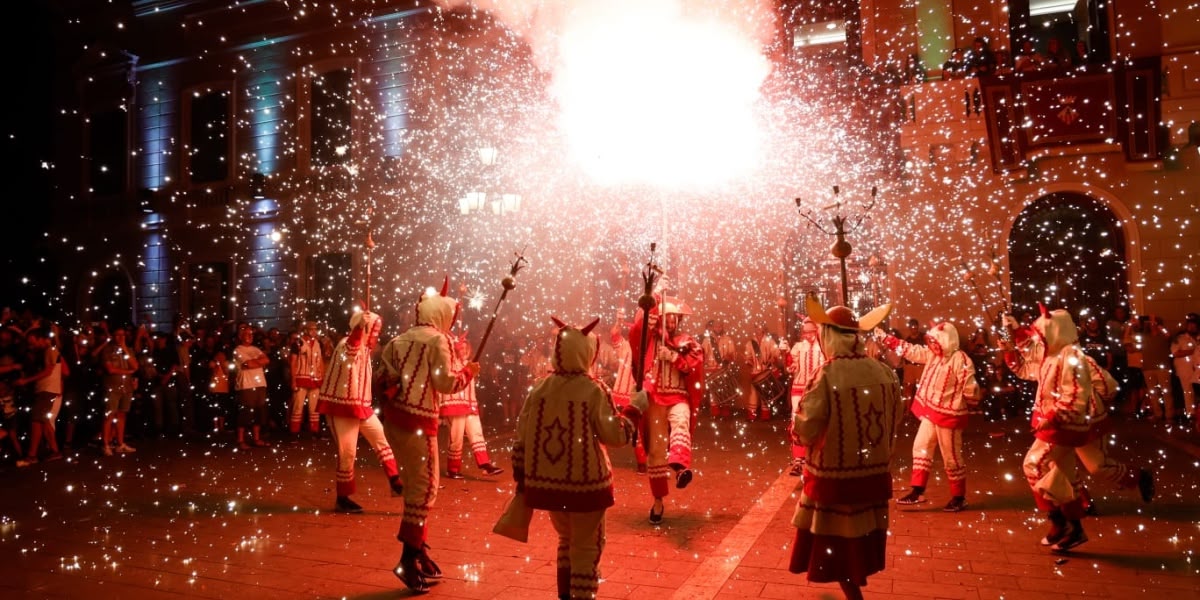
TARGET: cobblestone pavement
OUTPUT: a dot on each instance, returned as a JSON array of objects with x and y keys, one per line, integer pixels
[{"x": 203, "y": 520}]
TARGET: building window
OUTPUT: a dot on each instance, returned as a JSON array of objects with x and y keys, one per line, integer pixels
[
  {"x": 209, "y": 293},
  {"x": 332, "y": 289},
  {"x": 1080, "y": 30},
  {"x": 332, "y": 117},
  {"x": 108, "y": 147},
  {"x": 209, "y": 136},
  {"x": 817, "y": 34}
]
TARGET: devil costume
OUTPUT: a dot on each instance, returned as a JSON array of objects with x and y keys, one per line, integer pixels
[
  {"x": 560, "y": 458},
  {"x": 417, "y": 367}
]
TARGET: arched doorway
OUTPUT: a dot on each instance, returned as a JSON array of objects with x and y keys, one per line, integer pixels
[{"x": 1067, "y": 250}]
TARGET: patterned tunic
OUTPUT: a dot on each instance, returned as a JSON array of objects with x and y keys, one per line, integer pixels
[
  {"x": 418, "y": 366},
  {"x": 807, "y": 359},
  {"x": 1069, "y": 407},
  {"x": 310, "y": 364},
  {"x": 948, "y": 389},
  {"x": 623, "y": 384},
  {"x": 559, "y": 458},
  {"x": 346, "y": 389},
  {"x": 462, "y": 402},
  {"x": 848, "y": 418}
]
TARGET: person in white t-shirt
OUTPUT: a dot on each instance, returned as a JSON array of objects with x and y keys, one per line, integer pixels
[
  {"x": 1183, "y": 348},
  {"x": 47, "y": 398},
  {"x": 251, "y": 389}
]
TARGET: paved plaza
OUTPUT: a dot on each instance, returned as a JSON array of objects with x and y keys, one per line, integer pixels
[{"x": 198, "y": 519}]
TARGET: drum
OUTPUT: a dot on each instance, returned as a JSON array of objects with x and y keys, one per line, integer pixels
[
  {"x": 722, "y": 390},
  {"x": 772, "y": 389}
]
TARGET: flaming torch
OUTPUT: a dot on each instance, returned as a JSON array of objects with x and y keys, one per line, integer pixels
[
  {"x": 508, "y": 283},
  {"x": 650, "y": 275}
]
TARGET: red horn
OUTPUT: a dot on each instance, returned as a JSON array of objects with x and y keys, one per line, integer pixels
[
  {"x": 1045, "y": 311},
  {"x": 558, "y": 322},
  {"x": 588, "y": 328},
  {"x": 446, "y": 286}
]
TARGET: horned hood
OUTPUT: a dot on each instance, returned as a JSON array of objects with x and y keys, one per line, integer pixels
[
  {"x": 946, "y": 335},
  {"x": 1057, "y": 329},
  {"x": 437, "y": 311},
  {"x": 575, "y": 349}
]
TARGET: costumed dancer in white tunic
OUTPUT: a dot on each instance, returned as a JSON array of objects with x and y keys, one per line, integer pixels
[
  {"x": 460, "y": 411},
  {"x": 1026, "y": 360},
  {"x": 560, "y": 458},
  {"x": 346, "y": 400},
  {"x": 807, "y": 359},
  {"x": 674, "y": 381},
  {"x": 416, "y": 368},
  {"x": 945, "y": 395},
  {"x": 307, "y": 362},
  {"x": 848, "y": 418},
  {"x": 1048, "y": 352}
]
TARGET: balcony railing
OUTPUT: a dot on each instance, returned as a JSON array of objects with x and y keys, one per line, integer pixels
[{"x": 1034, "y": 114}]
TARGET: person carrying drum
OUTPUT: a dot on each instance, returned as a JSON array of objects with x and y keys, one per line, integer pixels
[
  {"x": 766, "y": 380},
  {"x": 947, "y": 391}
]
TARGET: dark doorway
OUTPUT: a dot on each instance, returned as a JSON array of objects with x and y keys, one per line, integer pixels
[{"x": 1067, "y": 250}]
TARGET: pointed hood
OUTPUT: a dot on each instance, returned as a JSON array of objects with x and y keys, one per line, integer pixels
[
  {"x": 438, "y": 311},
  {"x": 946, "y": 335},
  {"x": 575, "y": 348},
  {"x": 1057, "y": 329},
  {"x": 364, "y": 329}
]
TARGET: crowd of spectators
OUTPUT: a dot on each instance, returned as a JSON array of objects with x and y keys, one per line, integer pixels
[
  {"x": 77, "y": 388},
  {"x": 980, "y": 60},
  {"x": 176, "y": 383}
]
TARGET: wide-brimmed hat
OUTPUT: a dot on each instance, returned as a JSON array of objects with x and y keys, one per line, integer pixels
[{"x": 842, "y": 317}]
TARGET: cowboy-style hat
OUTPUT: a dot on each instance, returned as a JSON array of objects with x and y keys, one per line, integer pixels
[{"x": 842, "y": 317}]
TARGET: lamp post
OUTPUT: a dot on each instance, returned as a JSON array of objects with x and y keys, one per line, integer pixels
[
  {"x": 500, "y": 203},
  {"x": 841, "y": 248}
]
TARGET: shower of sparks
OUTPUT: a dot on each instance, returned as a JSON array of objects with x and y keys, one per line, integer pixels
[{"x": 579, "y": 132}]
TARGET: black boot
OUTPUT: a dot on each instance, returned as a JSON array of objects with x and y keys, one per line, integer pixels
[
  {"x": 956, "y": 504},
  {"x": 408, "y": 571},
  {"x": 429, "y": 569},
  {"x": 683, "y": 475},
  {"x": 916, "y": 496},
  {"x": 1058, "y": 528},
  {"x": 1073, "y": 537},
  {"x": 345, "y": 505}
]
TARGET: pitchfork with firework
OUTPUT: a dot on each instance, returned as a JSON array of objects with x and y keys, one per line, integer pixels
[{"x": 509, "y": 283}]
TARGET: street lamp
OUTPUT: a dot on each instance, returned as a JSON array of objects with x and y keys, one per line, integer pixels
[
  {"x": 500, "y": 203},
  {"x": 472, "y": 202}
]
